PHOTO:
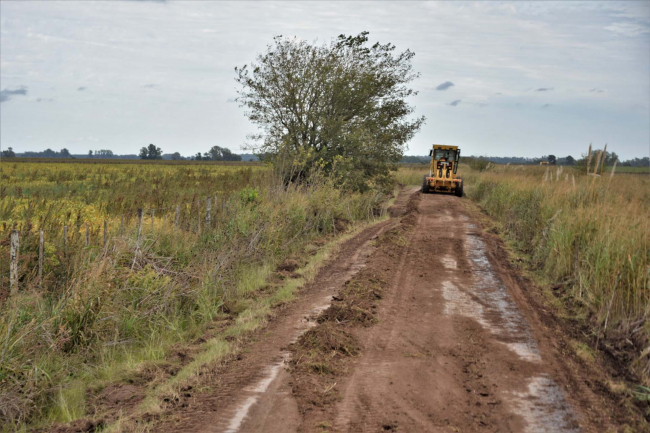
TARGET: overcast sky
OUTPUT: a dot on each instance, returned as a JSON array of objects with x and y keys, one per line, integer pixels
[{"x": 523, "y": 79}]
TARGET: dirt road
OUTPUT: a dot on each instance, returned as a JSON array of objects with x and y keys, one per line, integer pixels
[{"x": 456, "y": 347}]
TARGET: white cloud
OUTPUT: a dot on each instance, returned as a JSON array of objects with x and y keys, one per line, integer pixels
[{"x": 628, "y": 29}]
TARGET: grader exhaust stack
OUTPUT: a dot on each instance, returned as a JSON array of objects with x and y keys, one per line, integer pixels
[{"x": 442, "y": 174}]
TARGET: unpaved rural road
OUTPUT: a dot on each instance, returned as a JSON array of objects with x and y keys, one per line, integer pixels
[{"x": 457, "y": 347}]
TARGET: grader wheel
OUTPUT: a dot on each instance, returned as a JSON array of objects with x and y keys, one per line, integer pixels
[
  {"x": 459, "y": 190},
  {"x": 425, "y": 185}
]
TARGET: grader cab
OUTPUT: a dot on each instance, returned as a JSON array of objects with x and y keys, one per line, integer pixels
[{"x": 443, "y": 171}]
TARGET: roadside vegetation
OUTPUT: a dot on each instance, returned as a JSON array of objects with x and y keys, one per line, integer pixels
[{"x": 104, "y": 311}]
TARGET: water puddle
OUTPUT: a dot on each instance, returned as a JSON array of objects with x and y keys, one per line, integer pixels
[
  {"x": 460, "y": 303},
  {"x": 449, "y": 262},
  {"x": 271, "y": 371},
  {"x": 543, "y": 407},
  {"x": 258, "y": 390},
  {"x": 526, "y": 351},
  {"x": 542, "y": 404},
  {"x": 499, "y": 308},
  {"x": 240, "y": 415}
]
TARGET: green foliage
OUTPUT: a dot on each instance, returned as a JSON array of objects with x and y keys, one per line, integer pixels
[
  {"x": 9, "y": 153},
  {"x": 341, "y": 104},
  {"x": 249, "y": 195},
  {"x": 609, "y": 159},
  {"x": 222, "y": 154},
  {"x": 151, "y": 152},
  {"x": 642, "y": 393}
]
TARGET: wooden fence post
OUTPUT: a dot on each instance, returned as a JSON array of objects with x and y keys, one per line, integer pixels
[
  {"x": 105, "y": 233},
  {"x": 153, "y": 213},
  {"x": 13, "y": 262},
  {"x": 87, "y": 235},
  {"x": 208, "y": 208},
  {"x": 178, "y": 214},
  {"x": 139, "y": 222},
  {"x": 198, "y": 220},
  {"x": 41, "y": 239}
]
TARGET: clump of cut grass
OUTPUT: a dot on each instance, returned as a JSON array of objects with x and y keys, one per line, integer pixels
[
  {"x": 330, "y": 340},
  {"x": 322, "y": 349},
  {"x": 354, "y": 304}
]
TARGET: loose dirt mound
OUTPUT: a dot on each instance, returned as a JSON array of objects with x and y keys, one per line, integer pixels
[
  {"x": 354, "y": 305},
  {"x": 322, "y": 356},
  {"x": 288, "y": 266},
  {"x": 117, "y": 395}
]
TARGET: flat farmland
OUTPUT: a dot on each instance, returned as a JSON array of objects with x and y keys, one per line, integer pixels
[{"x": 41, "y": 192}]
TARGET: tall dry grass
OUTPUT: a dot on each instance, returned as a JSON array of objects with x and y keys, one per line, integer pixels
[
  {"x": 411, "y": 174},
  {"x": 113, "y": 307}
]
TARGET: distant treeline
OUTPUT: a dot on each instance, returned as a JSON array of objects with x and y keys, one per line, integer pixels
[
  {"x": 552, "y": 159},
  {"x": 216, "y": 153}
]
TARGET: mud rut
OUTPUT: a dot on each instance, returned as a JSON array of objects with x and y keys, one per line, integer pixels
[{"x": 456, "y": 347}]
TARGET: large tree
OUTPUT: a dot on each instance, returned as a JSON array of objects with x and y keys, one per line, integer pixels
[
  {"x": 222, "y": 154},
  {"x": 340, "y": 106},
  {"x": 151, "y": 152}
]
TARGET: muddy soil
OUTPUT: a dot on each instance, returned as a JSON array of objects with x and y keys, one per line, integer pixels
[{"x": 449, "y": 343}]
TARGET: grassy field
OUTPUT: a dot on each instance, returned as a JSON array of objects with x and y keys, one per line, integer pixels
[
  {"x": 631, "y": 170},
  {"x": 102, "y": 161},
  {"x": 588, "y": 236},
  {"x": 80, "y": 197},
  {"x": 104, "y": 309}
]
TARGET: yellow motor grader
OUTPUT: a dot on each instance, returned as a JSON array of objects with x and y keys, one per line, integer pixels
[{"x": 442, "y": 174}]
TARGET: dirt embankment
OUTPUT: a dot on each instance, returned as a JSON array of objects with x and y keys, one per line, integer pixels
[{"x": 323, "y": 355}]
